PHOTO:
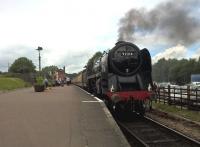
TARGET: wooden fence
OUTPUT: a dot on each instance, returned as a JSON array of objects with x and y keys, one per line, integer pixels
[{"x": 183, "y": 97}]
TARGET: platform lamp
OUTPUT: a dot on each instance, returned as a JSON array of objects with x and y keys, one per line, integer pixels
[{"x": 39, "y": 49}]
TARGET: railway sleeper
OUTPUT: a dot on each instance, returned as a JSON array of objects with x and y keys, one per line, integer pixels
[{"x": 161, "y": 141}]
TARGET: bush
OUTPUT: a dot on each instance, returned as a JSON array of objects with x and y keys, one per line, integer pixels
[
  {"x": 12, "y": 83},
  {"x": 50, "y": 83},
  {"x": 39, "y": 80}
]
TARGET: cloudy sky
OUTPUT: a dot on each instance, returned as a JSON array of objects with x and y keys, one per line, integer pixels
[{"x": 71, "y": 31}]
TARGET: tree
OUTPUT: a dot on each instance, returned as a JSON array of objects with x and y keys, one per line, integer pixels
[
  {"x": 22, "y": 65},
  {"x": 92, "y": 61},
  {"x": 48, "y": 70},
  {"x": 161, "y": 71},
  {"x": 176, "y": 71},
  {"x": 94, "y": 58}
]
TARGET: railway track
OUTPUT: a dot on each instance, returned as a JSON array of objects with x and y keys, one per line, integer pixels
[{"x": 145, "y": 132}]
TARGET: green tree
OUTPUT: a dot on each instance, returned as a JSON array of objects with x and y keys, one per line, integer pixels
[
  {"x": 49, "y": 70},
  {"x": 197, "y": 67},
  {"x": 175, "y": 71},
  {"x": 161, "y": 71},
  {"x": 22, "y": 65},
  {"x": 92, "y": 61}
]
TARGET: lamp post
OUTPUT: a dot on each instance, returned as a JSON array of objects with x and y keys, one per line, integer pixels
[{"x": 39, "y": 49}]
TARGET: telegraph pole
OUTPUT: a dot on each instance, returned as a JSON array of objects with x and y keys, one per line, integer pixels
[
  {"x": 64, "y": 69},
  {"x": 39, "y": 49}
]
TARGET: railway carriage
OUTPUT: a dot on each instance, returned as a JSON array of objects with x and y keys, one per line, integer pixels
[{"x": 81, "y": 79}]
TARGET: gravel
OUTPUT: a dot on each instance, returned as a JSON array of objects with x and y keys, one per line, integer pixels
[{"x": 185, "y": 126}]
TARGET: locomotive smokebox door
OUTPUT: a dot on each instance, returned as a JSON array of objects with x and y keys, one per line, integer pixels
[{"x": 125, "y": 59}]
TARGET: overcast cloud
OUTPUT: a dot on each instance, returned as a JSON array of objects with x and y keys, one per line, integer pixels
[
  {"x": 70, "y": 31},
  {"x": 196, "y": 55},
  {"x": 178, "y": 51}
]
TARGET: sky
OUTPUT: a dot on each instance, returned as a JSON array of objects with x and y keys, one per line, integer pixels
[{"x": 71, "y": 31}]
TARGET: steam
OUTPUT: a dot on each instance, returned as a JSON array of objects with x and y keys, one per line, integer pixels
[{"x": 175, "y": 21}]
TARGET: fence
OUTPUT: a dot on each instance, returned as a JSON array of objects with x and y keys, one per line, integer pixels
[{"x": 183, "y": 97}]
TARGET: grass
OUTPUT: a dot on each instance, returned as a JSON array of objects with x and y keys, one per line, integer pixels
[
  {"x": 189, "y": 114},
  {"x": 7, "y": 83}
]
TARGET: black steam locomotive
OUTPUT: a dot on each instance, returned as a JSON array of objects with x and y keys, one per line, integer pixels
[{"x": 121, "y": 76}]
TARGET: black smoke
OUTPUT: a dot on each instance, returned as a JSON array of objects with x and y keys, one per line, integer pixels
[{"x": 175, "y": 21}]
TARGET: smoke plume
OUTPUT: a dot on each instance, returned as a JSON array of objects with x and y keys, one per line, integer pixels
[{"x": 175, "y": 21}]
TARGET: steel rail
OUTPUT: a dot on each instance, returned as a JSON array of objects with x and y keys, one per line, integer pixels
[{"x": 139, "y": 135}]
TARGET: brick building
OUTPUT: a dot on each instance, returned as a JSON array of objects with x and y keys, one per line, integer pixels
[{"x": 59, "y": 75}]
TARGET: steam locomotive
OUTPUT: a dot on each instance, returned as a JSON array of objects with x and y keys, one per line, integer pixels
[{"x": 121, "y": 76}]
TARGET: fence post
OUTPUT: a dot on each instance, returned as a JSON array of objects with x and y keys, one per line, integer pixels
[
  {"x": 164, "y": 93},
  {"x": 174, "y": 95},
  {"x": 156, "y": 94},
  {"x": 196, "y": 98},
  {"x": 188, "y": 97},
  {"x": 181, "y": 97},
  {"x": 169, "y": 95}
]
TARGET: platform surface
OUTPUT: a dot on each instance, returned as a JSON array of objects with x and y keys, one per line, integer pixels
[{"x": 60, "y": 117}]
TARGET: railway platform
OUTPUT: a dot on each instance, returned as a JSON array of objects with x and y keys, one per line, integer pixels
[{"x": 59, "y": 117}]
